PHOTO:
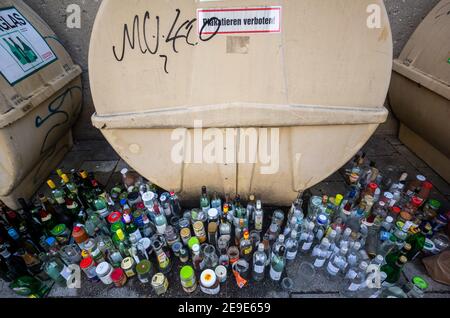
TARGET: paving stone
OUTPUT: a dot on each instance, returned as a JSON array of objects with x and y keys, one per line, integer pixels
[
  {"x": 393, "y": 140},
  {"x": 410, "y": 156},
  {"x": 378, "y": 146},
  {"x": 325, "y": 295},
  {"x": 99, "y": 150},
  {"x": 73, "y": 160}
]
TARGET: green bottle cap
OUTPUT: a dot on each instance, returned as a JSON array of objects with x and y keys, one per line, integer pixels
[
  {"x": 435, "y": 204},
  {"x": 420, "y": 282},
  {"x": 186, "y": 273},
  {"x": 193, "y": 241},
  {"x": 58, "y": 230},
  {"x": 143, "y": 267}
]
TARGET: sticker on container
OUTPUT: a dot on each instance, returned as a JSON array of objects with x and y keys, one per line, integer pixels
[
  {"x": 239, "y": 20},
  {"x": 259, "y": 269},
  {"x": 274, "y": 274},
  {"x": 23, "y": 51},
  {"x": 319, "y": 262}
]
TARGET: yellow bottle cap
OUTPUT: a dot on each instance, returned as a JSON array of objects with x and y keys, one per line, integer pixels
[
  {"x": 120, "y": 234},
  {"x": 51, "y": 184},
  {"x": 65, "y": 178},
  {"x": 59, "y": 172},
  {"x": 84, "y": 254},
  {"x": 246, "y": 235},
  {"x": 225, "y": 209},
  {"x": 338, "y": 199},
  {"x": 83, "y": 174}
]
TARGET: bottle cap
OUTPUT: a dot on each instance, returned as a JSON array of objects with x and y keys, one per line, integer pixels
[
  {"x": 261, "y": 247},
  {"x": 373, "y": 186},
  {"x": 294, "y": 234},
  {"x": 434, "y": 204},
  {"x": 117, "y": 274},
  {"x": 407, "y": 247},
  {"x": 196, "y": 248},
  {"x": 213, "y": 213},
  {"x": 246, "y": 235},
  {"x": 225, "y": 208},
  {"x": 251, "y": 197},
  {"x": 102, "y": 269},
  {"x": 258, "y": 204},
  {"x": 322, "y": 219},
  {"x": 402, "y": 259},
  {"x": 187, "y": 272},
  {"x": 50, "y": 241},
  {"x": 59, "y": 172},
  {"x": 379, "y": 259},
  {"x": 421, "y": 178},
  {"x": 420, "y": 282},
  {"x": 65, "y": 178},
  {"x": 281, "y": 238},
  {"x": 120, "y": 234},
  {"x": 344, "y": 250},
  {"x": 86, "y": 262},
  {"x": 427, "y": 185},
  {"x": 406, "y": 216},
  {"x": 208, "y": 278},
  {"x": 396, "y": 210},
  {"x": 416, "y": 201},
  {"x": 325, "y": 241},
  {"x": 338, "y": 199},
  {"x": 389, "y": 219},
  {"x": 124, "y": 171},
  {"x": 388, "y": 195},
  {"x": 357, "y": 246},
  {"x": 51, "y": 184}
]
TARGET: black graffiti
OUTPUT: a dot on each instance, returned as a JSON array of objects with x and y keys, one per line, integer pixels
[{"x": 151, "y": 44}]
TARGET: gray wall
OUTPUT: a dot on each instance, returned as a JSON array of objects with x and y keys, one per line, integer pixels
[{"x": 405, "y": 16}]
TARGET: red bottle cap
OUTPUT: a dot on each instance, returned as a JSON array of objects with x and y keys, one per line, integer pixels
[
  {"x": 396, "y": 210},
  {"x": 427, "y": 185},
  {"x": 117, "y": 274},
  {"x": 416, "y": 201},
  {"x": 114, "y": 217},
  {"x": 140, "y": 206},
  {"x": 373, "y": 186},
  {"x": 85, "y": 263}
]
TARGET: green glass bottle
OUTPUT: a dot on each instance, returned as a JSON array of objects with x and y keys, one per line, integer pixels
[
  {"x": 58, "y": 194},
  {"x": 205, "y": 204},
  {"x": 417, "y": 242},
  {"x": 393, "y": 272},
  {"x": 392, "y": 257}
]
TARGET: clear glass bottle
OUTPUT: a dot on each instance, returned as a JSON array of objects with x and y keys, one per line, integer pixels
[
  {"x": 291, "y": 226},
  {"x": 210, "y": 258},
  {"x": 160, "y": 220},
  {"x": 307, "y": 238},
  {"x": 259, "y": 263},
  {"x": 355, "y": 281},
  {"x": 225, "y": 225},
  {"x": 321, "y": 253},
  {"x": 216, "y": 202},
  {"x": 259, "y": 216},
  {"x": 338, "y": 263},
  {"x": 353, "y": 257},
  {"x": 164, "y": 199},
  {"x": 320, "y": 227},
  {"x": 164, "y": 262},
  {"x": 197, "y": 258},
  {"x": 238, "y": 231},
  {"x": 292, "y": 246},
  {"x": 251, "y": 207}
]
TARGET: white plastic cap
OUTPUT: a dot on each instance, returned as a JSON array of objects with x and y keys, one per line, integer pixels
[
  {"x": 294, "y": 234},
  {"x": 357, "y": 246},
  {"x": 389, "y": 219},
  {"x": 124, "y": 171},
  {"x": 281, "y": 238},
  {"x": 363, "y": 266}
]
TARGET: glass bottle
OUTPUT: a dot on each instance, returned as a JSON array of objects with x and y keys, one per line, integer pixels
[
  {"x": 259, "y": 263},
  {"x": 251, "y": 207},
  {"x": 392, "y": 257},
  {"x": 160, "y": 220},
  {"x": 387, "y": 246},
  {"x": 321, "y": 227},
  {"x": 239, "y": 230},
  {"x": 210, "y": 259},
  {"x": 216, "y": 202},
  {"x": 122, "y": 243},
  {"x": 225, "y": 225},
  {"x": 246, "y": 247},
  {"x": 197, "y": 258},
  {"x": 292, "y": 226},
  {"x": 392, "y": 272},
  {"x": 321, "y": 253},
  {"x": 355, "y": 280},
  {"x": 277, "y": 264},
  {"x": 57, "y": 194},
  {"x": 338, "y": 263},
  {"x": 307, "y": 238},
  {"x": 416, "y": 288},
  {"x": 259, "y": 216},
  {"x": 417, "y": 242},
  {"x": 204, "y": 200},
  {"x": 164, "y": 262},
  {"x": 292, "y": 246},
  {"x": 54, "y": 269},
  {"x": 280, "y": 242}
]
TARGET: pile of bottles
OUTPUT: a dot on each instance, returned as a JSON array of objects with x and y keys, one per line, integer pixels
[{"x": 138, "y": 231}]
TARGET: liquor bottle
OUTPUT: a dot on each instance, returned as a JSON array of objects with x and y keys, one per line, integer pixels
[
  {"x": 355, "y": 281},
  {"x": 48, "y": 217},
  {"x": 259, "y": 263},
  {"x": 204, "y": 200},
  {"x": 333, "y": 239},
  {"x": 197, "y": 258},
  {"x": 387, "y": 246},
  {"x": 320, "y": 227},
  {"x": 251, "y": 207},
  {"x": 165, "y": 203},
  {"x": 338, "y": 263},
  {"x": 175, "y": 204},
  {"x": 34, "y": 227},
  {"x": 417, "y": 241},
  {"x": 160, "y": 220},
  {"x": 292, "y": 246},
  {"x": 320, "y": 253},
  {"x": 58, "y": 194},
  {"x": 259, "y": 216},
  {"x": 225, "y": 225},
  {"x": 15, "y": 265},
  {"x": 307, "y": 238},
  {"x": 238, "y": 231},
  {"x": 277, "y": 264},
  {"x": 291, "y": 226},
  {"x": 392, "y": 257},
  {"x": 86, "y": 190},
  {"x": 216, "y": 202},
  {"x": 122, "y": 243},
  {"x": 246, "y": 246},
  {"x": 353, "y": 257},
  {"x": 280, "y": 242},
  {"x": 392, "y": 272}
]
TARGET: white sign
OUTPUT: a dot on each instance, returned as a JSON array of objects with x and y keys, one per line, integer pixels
[
  {"x": 239, "y": 20},
  {"x": 23, "y": 51}
]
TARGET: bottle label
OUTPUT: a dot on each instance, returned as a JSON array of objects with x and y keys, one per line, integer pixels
[
  {"x": 332, "y": 270},
  {"x": 161, "y": 229},
  {"x": 259, "y": 269},
  {"x": 274, "y": 274},
  {"x": 291, "y": 255},
  {"x": 319, "y": 262},
  {"x": 306, "y": 246},
  {"x": 353, "y": 287},
  {"x": 258, "y": 222}
]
